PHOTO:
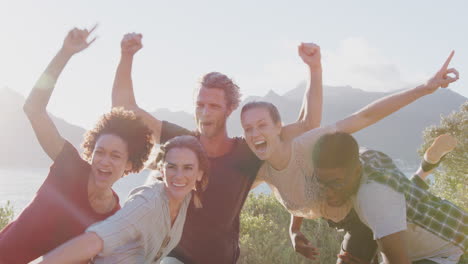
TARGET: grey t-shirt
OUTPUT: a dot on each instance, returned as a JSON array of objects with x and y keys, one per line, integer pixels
[{"x": 141, "y": 231}]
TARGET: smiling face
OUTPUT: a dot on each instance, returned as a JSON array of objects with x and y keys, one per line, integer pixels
[
  {"x": 211, "y": 111},
  {"x": 261, "y": 133},
  {"x": 181, "y": 171},
  {"x": 338, "y": 184},
  {"x": 109, "y": 161}
]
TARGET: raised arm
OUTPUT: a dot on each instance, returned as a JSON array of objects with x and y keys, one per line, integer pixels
[
  {"x": 122, "y": 91},
  {"x": 36, "y": 103},
  {"x": 381, "y": 108},
  {"x": 310, "y": 114}
]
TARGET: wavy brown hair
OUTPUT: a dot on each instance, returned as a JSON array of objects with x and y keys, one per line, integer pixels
[
  {"x": 130, "y": 128},
  {"x": 191, "y": 143},
  {"x": 271, "y": 108},
  {"x": 216, "y": 80}
]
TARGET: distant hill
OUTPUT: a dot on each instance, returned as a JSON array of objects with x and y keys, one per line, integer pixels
[
  {"x": 398, "y": 135},
  {"x": 19, "y": 146}
]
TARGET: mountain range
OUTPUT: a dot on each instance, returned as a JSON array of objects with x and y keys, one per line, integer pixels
[{"x": 398, "y": 135}]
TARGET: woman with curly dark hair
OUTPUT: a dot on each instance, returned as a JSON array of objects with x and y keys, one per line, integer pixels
[
  {"x": 150, "y": 224},
  {"x": 78, "y": 191}
]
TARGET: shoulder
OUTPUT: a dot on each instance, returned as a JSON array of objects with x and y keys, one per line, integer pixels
[
  {"x": 374, "y": 190},
  {"x": 241, "y": 149},
  {"x": 149, "y": 192},
  {"x": 381, "y": 208},
  {"x": 68, "y": 154},
  {"x": 170, "y": 130},
  {"x": 376, "y": 199},
  {"x": 69, "y": 164},
  {"x": 375, "y": 158},
  {"x": 311, "y": 136},
  {"x": 378, "y": 166}
]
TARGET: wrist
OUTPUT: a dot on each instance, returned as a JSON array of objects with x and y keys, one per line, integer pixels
[
  {"x": 126, "y": 55},
  {"x": 425, "y": 89},
  {"x": 65, "y": 53},
  {"x": 315, "y": 68}
]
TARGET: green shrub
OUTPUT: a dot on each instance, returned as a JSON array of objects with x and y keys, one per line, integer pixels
[
  {"x": 264, "y": 234},
  {"x": 6, "y": 214},
  {"x": 451, "y": 178}
]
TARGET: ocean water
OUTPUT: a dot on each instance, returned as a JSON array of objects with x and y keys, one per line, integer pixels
[{"x": 20, "y": 185}]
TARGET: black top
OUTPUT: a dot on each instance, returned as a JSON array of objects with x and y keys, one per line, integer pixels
[{"x": 211, "y": 233}]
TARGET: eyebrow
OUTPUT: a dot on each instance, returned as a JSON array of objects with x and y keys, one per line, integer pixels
[
  {"x": 325, "y": 181},
  {"x": 186, "y": 164},
  {"x": 113, "y": 151},
  {"x": 330, "y": 181}
]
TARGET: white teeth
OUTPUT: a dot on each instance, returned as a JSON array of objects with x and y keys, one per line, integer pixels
[
  {"x": 178, "y": 185},
  {"x": 105, "y": 171},
  {"x": 259, "y": 142}
]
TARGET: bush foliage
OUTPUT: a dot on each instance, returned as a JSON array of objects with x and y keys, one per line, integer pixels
[
  {"x": 451, "y": 178},
  {"x": 6, "y": 214},
  {"x": 265, "y": 234}
]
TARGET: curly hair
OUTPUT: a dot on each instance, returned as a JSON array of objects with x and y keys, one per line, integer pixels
[
  {"x": 191, "y": 143},
  {"x": 130, "y": 128},
  {"x": 218, "y": 80}
]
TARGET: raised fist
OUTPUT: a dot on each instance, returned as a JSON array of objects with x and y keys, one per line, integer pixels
[
  {"x": 131, "y": 43},
  {"x": 310, "y": 54}
]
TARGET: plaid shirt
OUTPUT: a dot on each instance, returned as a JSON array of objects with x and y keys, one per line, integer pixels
[{"x": 437, "y": 216}]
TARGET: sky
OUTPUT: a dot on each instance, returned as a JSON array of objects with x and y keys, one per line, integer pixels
[{"x": 371, "y": 45}]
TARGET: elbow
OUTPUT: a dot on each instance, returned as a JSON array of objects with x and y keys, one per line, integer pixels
[
  {"x": 29, "y": 110},
  {"x": 32, "y": 111}
]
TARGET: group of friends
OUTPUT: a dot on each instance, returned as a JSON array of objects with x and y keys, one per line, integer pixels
[{"x": 189, "y": 212}]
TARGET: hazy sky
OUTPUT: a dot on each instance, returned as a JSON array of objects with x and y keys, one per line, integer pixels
[{"x": 372, "y": 45}]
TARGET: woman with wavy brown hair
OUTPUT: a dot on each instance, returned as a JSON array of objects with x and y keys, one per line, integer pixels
[
  {"x": 78, "y": 191},
  {"x": 150, "y": 224}
]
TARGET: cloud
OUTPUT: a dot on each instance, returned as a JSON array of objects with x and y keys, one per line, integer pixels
[
  {"x": 357, "y": 63},
  {"x": 353, "y": 62}
]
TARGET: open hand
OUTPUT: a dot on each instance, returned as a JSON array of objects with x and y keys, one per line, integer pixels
[
  {"x": 77, "y": 40},
  {"x": 442, "y": 77},
  {"x": 310, "y": 54},
  {"x": 131, "y": 43},
  {"x": 303, "y": 246}
]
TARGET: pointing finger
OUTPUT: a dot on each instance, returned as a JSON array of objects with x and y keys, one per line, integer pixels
[
  {"x": 447, "y": 62},
  {"x": 93, "y": 28},
  {"x": 91, "y": 42}
]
